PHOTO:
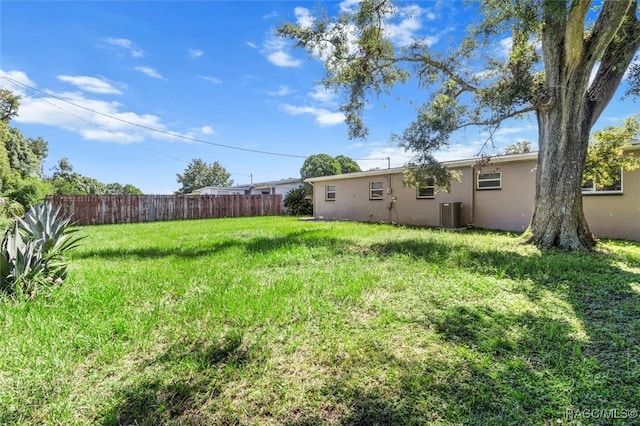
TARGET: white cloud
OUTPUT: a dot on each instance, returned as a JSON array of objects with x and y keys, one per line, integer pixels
[
  {"x": 120, "y": 42},
  {"x": 504, "y": 47},
  {"x": 377, "y": 157},
  {"x": 149, "y": 71},
  {"x": 90, "y": 84},
  {"x": 90, "y": 118},
  {"x": 303, "y": 17},
  {"x": 349, "y": 6},
  {"x": 125, "y": 44},
  {"x": 93, "y": 119},
  {"x": 398, "y": 157},
  {"x": 109, "y": 136},
  {"x": 207, "y": 130},
  {"x": 282, "y": 91},
  {"x": 195, "y": 53},
  {"x": 211, "y": 79},
  {"x": 321, "y": 94},
  {"x": 458, "y": 151},
  {"x": 283, "y": 59},
  {"x": 251, "y": 44},
  {"x": 275, "y": 51},
  {"x": 270, "y": 15},
  {"x": 404, "y": 32},
  {"x": 323, "y": 117},
  {"x": 19, "y": 77}
]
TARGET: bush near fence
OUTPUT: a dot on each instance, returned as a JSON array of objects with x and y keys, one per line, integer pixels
[{"x": 112, "y": 209}]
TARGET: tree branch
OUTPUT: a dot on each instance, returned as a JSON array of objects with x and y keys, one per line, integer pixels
[
  {"x": 614, "y": 63},
  {"x": 607, "y": 26},
  {"x": 574, "y": 41},
  {"x": 497, "y": 120}
]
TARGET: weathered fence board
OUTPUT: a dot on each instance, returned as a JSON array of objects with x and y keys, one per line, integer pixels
[{"x": 110, "y": 209}]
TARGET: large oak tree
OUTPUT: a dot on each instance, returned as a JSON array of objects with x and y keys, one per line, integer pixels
[{"x": 566, "y": 61}]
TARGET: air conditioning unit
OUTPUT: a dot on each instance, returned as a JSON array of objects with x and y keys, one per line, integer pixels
[{"x": 450, "y": 215}]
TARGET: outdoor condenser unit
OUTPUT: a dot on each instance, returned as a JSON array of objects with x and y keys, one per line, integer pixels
[{"x": 450, "y": 215}]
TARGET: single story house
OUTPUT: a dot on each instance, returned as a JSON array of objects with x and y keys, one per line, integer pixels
[
  {"x": 496, "y": 196},
  {"x": 275, "y": 187}
]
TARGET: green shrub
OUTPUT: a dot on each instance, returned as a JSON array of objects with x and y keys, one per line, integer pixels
[
  {"x": 297, "y": 203},
  {"x": 30, "y": 191},
  {"x": 33, "y": 252}
]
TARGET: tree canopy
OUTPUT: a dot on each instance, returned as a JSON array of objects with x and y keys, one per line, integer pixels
[
  {"x": 66, "y": 181},
  {"x": 565, "y": 61},
  {"x": 9, "y": 104},
  {"x": 606, "y": 156},
  {"x": 347, "y": 165},
  {"x": 519, "y": 147},
  {"x": 199, "y": 174},
  {"x": 325, "y": 165}
]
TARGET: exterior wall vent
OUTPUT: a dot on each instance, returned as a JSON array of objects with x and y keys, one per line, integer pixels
[{"x": 450, "y": 215}]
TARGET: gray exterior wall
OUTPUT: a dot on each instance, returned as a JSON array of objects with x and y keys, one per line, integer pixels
[{"x": 508, "y": 208}]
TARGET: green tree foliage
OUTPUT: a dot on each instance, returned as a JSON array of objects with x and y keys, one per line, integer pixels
[
  {"x": 8, "y": 176},
  {"x": 67, "y": 182},
  {"x": 9, "y": 103},
  {"x": 30, "y": 191},
  {"x": 297, "y": 202},
  {"x": 566, "y": 61},
  {"x": 199, "y": 174},
  {"x": 320, "y": 165},
  {"x": 519, "y": 147},
  {"x": 128, "y": 189},
  {"x": 21, "y": 156},
  {"x": 606, "y": 156},
  {"x": 347, "y": 165}
]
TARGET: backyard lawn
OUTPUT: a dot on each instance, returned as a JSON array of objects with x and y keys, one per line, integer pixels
[{"x": 277, "y": 321}]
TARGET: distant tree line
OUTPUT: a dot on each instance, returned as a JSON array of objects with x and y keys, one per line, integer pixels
[{"x": 22, "y": 178}]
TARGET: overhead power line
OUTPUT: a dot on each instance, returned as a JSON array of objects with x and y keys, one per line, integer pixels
[{"x": 160, "y": 131}]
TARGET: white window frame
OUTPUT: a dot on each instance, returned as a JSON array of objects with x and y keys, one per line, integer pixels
[
  {"x": 480, "y": 179},
  {"x": 376, "y": 193},
  {"x": 592, "y": 189},
  {"x": 429, "y": 185},
  {"x": 329, "y": 192}
]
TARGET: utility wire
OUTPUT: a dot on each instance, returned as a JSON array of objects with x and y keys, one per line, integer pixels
[{"x": 164, "y": 132}]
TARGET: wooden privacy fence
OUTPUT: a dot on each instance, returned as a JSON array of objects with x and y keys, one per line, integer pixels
[{"x": 110, "y": 209}]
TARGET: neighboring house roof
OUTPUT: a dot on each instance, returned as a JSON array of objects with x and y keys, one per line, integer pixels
[
  {"x": 258, "y": 185},
  {"x": 281, "y": 182},
  {"x": 222, "y": 188}
]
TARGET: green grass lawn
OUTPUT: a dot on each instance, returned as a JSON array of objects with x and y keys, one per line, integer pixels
[{"x": 279, "y": 321}]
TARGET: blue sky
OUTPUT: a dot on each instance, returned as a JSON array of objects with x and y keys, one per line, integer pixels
[{"x": 110, "y": 84}]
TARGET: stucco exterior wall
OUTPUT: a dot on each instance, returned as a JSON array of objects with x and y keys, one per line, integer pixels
[
  {"x": 616, "y": 215},
  {"x": 398, "y": 205},
  {"x": 508, "y": 208}
]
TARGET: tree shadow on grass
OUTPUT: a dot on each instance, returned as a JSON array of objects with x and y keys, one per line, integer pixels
[
  {"x": 495, "y": 368},
  {"x": 545, "y": 367},
  {"x": 260, "y": 244},
  {"x": 156, "y": 400}
]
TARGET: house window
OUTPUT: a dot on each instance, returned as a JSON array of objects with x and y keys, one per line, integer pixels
[
  {"x": 428, "y": 190},
  {"x": 330, "y": 193},
  {"x": 592, "y": 187},
  {"x": 376, "y": 190},
  {"x": 489, "y": 180}
]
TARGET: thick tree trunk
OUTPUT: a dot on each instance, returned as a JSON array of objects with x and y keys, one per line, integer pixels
[
  {"x": 558, "y": 218},
  {"x": 569, "y": 107}
]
